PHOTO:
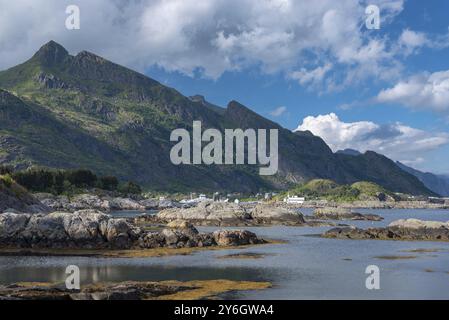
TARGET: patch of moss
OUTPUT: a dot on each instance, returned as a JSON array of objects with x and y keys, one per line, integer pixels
[
  {"x": 206, "y": 289},
  {"x": 245, "y": 255},
  {"x": 396, "y": 257}
]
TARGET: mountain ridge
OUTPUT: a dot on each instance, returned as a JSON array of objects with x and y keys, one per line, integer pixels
[{"x": 126, "y": 118}]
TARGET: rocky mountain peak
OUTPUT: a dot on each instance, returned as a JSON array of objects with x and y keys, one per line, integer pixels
[
  {"x": 89, "y": 56},
  {"x": 51, "y": 53}
]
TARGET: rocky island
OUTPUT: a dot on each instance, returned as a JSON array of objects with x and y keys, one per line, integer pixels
[
  {"x": 229, "y": 214},
  {"x": 409, "y": 229},
  {"x": 337, "y": 213}
]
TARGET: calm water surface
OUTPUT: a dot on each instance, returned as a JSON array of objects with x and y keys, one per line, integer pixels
[{"x": 305, "y": 267}]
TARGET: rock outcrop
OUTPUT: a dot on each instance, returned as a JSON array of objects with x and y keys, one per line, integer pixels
[
  {"x": 230, "y": 214},
  {"x": 410, "y": 229},
  {"x": 335, "y": 213},
  {"x": 83, "y": 229},
  {"x": 90, "y": 229}
]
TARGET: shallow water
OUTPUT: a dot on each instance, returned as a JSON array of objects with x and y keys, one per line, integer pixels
[{"x": 306, "y": 267}]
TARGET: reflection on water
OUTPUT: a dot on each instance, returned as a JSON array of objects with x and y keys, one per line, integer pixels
[
  {"x": 306, "y": 267},
  {"x": 116, "y": 273}
]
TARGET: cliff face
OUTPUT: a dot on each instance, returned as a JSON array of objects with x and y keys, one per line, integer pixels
[{"x": 65, "y": 111}]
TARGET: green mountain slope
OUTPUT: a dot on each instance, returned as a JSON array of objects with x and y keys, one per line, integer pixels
[{"x": 65, "y": 111}]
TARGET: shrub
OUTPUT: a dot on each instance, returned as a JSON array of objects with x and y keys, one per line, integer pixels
[
  {"x": 81, "y": 178},
  {"x": 130, "y": 188},
  {"x": 6, "y": 170},
  {"x": 108, "y": 183}
]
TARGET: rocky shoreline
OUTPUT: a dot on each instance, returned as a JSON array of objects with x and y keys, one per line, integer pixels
[
  {"x": 371, "y": 204},
  {"x": 406, "y": 230},
  {"x": 106, "y": 202},
  {"x": 90, "y": 229}
]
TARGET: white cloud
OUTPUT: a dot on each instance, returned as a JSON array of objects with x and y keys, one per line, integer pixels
[
  {"x": 313, "y": 77},
  {"x": 410, "y": 41},
  {"x": 211, "y": 36},
  {"x": 424, "y": 91},
  {"x": 397, "y": 141},
  {"x": 413, "y": 39},
  {"x": 278, "y": 111}
]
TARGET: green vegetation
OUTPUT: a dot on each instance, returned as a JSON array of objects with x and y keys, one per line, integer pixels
[
  {"x": 65, "y": 181},
  {"x": 8, "y": 185},
  {"x": 329, "y": 190}
]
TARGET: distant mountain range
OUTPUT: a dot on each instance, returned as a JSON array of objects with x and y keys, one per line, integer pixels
[
  {"x": 437, "y": 183},
  {"x": 64, "y": 111}
]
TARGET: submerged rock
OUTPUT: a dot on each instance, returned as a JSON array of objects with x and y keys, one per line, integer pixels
[
  {"x": 335, "y": 213},
  {"x": 411, "y": 229}
]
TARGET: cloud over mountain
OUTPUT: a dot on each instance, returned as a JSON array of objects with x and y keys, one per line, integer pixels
[
  {"x": 311, "y": 42},
  {"x": 397, "y": 141}
]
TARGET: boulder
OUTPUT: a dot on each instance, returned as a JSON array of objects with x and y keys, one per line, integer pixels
[
  {"x": 149, "y": 204},
  {"x": 88, "y": 201},
  {"x": 185, "y": 226},
  {"x": 266, "y": 213},
  {"x": 235, "y": 237},
  {"x": 86, "y": 225},
  {"x": 125, "y": 204},
  {"x": 12, "y": 224}
]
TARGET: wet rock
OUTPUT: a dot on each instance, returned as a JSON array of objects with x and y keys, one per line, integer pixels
[
  {"x": 335, "y": 213},
  {"x": 269, "y": 214},
  {"x": 235, "y": 237},
  {"x": 185, "y": 226},
  {"x": 415, "y": 230}
]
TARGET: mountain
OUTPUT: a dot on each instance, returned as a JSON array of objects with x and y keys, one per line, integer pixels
[
  {"x": 437, "y": 183},
  {"x": 65, "y": 111}
]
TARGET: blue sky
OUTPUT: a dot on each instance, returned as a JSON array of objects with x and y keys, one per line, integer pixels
[
  {"x": 307, "y": 64},
  {"x": 264, "y": 93}
]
